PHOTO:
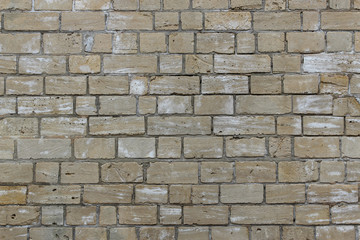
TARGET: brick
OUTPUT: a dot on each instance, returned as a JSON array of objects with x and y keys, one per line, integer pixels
[
  {"x": 339, "y": 41},
  {"x": 149, "y": 5},
  {"x": 298, "y": 171},
  {"x": 203, "y": 147},
  {"x": 230, "y": 233},
  {"x": 275, "y": 5},
  {"x": 241, "y": 193},
  {"x": 279, "y": 214},
  {"x": 7, "y": 64},
  {"x": 65, "y": 85},
  {"x": 245, "y": 42},
  {"x": 170, "y": 214},
  {"x": 219, "y": 84},
  {"x": 125, "y": 43},
  {"x": 166, "y": 233},
  {"x": 215, "y": 42},
  {"x": 181, "y": 43},
  {"x": 245, "y": 147},
  {"x": 31, "y": 21},
  {"x": 174, "y": 104},
  {"x": 249, "y": 125},
  {"x": 271, "y": 42},
  {"x": 12, "y": 195},
  {"x": 334, "y": 84},
  {"x": 130, "y": 125},
  {"x": 304, "y": 84},
  {"x": 352, "y": 126},
  {"x": 78, "y": 215},
  {"x": 311, "y": 20},
  {"x": 345, "y": 214},
  {"x": 139, "y": 86},
  {"x": 308, "y": 42},
  {"x": 349, "y": 147},
  {"x": 83, "y": 233},
  {"x": 19, "y": 127},
  {"x": 191, "y": 20},
  {"x": 115, "y": 105},
  {"x": 130, "y": 64},
  {"x": 355, "y": 84},
  {"x": 170, "y": 63},
  {"x": 83, "y": 21},
  {"x": 92, "y": 4},
  {"x": 47, "y": 172},
  {"x": 52, "y": 215},
  {"x": 63, "y": 126},
  {"x": 335, "y": 232},
  {"x": 16, "y": 172},
  {"x": 107, "y": 215},
  {"x": 16, "y": 215},
  {"x": 206, "y": 215},
  {"x": 246, "y": 4},
  {"x": 169, "y": 147},
  {"x": 101, "y": 42},
  {"x": 103, "y": 148},
  {"x": 151, "y": 194},
  {"x": 166, "y": 21},
  {"x": 129, "y": 147},
  {"x": 210, "y": 4},
  {"x": 123, "y": 232},
  {"x": 353, "y": 171},
  {"x": 45, "y": 105},
  {"x": 29, "y": 85},
  {"x": 179, "y": 125},
  {"x": 255, "y": 172},
  {"x": 6, "y": 149},
  {"x": 125, "y": 4},
  {"x": 152, "y": 42},
  {"x": 43, "y": 233},
  {"x": 241, "y": 63},
  {"x": 8, "y": 106},
  {"x": 54, "y": 194},
  {"x": 84, "y": 64},
  {"x": 314, "y": 104},
  {"x": 15, "y": 5},
  {"x": 285, "y": 193},
  {"x": 176, "y": 5},
  {"x": 339, "y": 21},
  {"x": 263, "y": 232},
  {"x": 42, "y": 64},
  {"x": 43, "y": 148},
  {"x": 60, "y": 43},
  {"x": 321, "y": 147},
  {"x": 125, "y": 21},
  {"x": 216, "y": 172},
  {"x": 20, "y": 43},
  {"x": 108, "y": 85},
  {"x": 205, "y": 194},
  {"x": 180, "y": 194},
  {"x": 301, "y": 233},
  {"x": 15, "y": 233},
  {"x": 198, "y": 64},
  {"x": 330, "y": 63},
  {"x": 60, "y": 5},
  {"x": 227, "y": 20},
  {"x": 327, "y": 193},
  {"x": 86, "y": 106},
  {"x": 270, "y": 104},
  {"x": 121, "y": 172},
  {"x": 200, "y": 233},
  {"x": 280, "y": 147},
  {"x": 176, "y": 172},
  {"x": 286, "y": 63},
  {"x": 101, "y": 194},
  {"x": 307, "y": 4},
  {"x": 84, "y": 172},
  {"x": 323, "y": 125},
  {"x": 277, "y": 21},
  {"x": 217, "y": 104},
  {"x": 134, "y": 215}
]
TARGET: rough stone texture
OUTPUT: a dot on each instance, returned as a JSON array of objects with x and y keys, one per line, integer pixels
[{"x": 179, "y": 119}]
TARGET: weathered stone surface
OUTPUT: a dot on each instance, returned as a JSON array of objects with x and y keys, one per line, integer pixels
[
  {"x": 54, "y": 194},
  {"x": 107, "y": 193},
  {"x": 206, "y": 215},
  {"x": 241, "y": 193},
  {"x": 172, "y": 172},
  {"x": 326, "y": 193},
  {"x": 281, "y": 214}
]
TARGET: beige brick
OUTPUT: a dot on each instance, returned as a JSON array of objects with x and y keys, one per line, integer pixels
[
  {"x": 245, "y": 147},
  {"x": 279, "y": 214},
  {"x": 115, "y": 105},
  {"x": 306, "y": 42},
  {"x": 331, "y": 63},
  {"x": 52, "y": 232},
  {"x": 301, "y": 233},
  {"x": 275, "y": 5},
  {"x": 321, "y": 104},
  {"x": 210, "y": 4},
  {"x": 219, "y": 84},
  {"x": 327, "y": 193},
  {"x": 54, "y": 194},
  {"x": 166, "y": 21},
  {"x": 45, "y": 105},
  {"x": 227, "y": 20},
  {"x": 179, "y": 125},
  {"x": 255, "y": 172},
  {"x": 352, "y": 126},
  {"x": 6, "y": 149},
  {"x": 215, "y": 42},
  {"x": 280, "y": 147},
  {"x": 340, "y": 21},
  {"x": 130, "y": 64},
  {"x": 271, "y": 42},
  {"x": 170, "y": 63},
  {"x": 131, "y": 125},
  {"x": 2, "y": 85},
  {"x": 82, "y": 233},
  {"x": 199, "y": 64},
  {"x": 241, "y": 193},
  {"x": 60, "y": 43},
  {"x": 339, "y": 41},
  {"x": 345, "y": 214},
  {"x": 123, "y": 232},
  {"x": 206, "y": 215},
  {"x": 92, "y": 4},
  {"x": 139, "y": 86},
  {"x": 151, "y": 194},
  {"x": 311, "y": 20},
  {"x": 65, "y": 85},
  {"x": 100, "y": 194},
  {"x": 149, "y": 4},
  {"x": 355, "y": 84},
  {"x": 94, "y": 148},
  {"x": 147, "y": 105},
  {"x": 83, "y": 21},
  {"x": 249, "y": 125},
  {"x": 43, "y": 148},
  {"x": 229, "y": 233},
  {"x": 134, "y": 215},
  {"x": 285, "y": 193},
  {"x": 176, "y": 5},
  {"x": 335, "y": 232},
  {"x": 125, "y": 43},
  {"x": 301, "y": 84},
  {"x": 245, "y": 42},
  {"x": 176, "y": 172},
  {"x": 170, "y": 214},
  {"x": 121, "y": 172},
  {"x": 20, "y": 43},
  {"x": 125, "y": 4},
  {"x": 31, "y": 85},
  {"x": 356, "y": 4},
  {"x": 55, "y": 127},
  {"x": 205, "y": 194},
  {"x": 129, "y": 148},
  {"x": 181, "y": 43},
  {"x": 353, "y": 173},
  {"x": 350, "y": 147},
  {"x": 52, "y": 215},
  {"x": 13, "y": 195},
  {"x": 16, "y": 172},
  {"x": 31, "y": 21},
  {"x": 8, "y": 106},
  {"x": 286, "y": 63},
  {"x": 169, "y": 147},
  {"x": 152, "y": 42},
  {"x": 277, "y": 21},
  {"x": 47, "y": 172},
  {"x": 60, "y": 5},
  {"x": 265, "y": 232},
  {"x": 107, "y": 215},
  {"x": 246, "y": 4},
  {"x": 199, "y": 233},
  {"x": 203, "y": 147},
  {"x": 82, "y": 172},
  {"x": 16, "y": 215},
  {"x": 166, "y": 233},
  {"x": 216, "y": 172},
  {"x": 19, "y": 127},
  {"x": 42, "y": 64},
  {"x": 316, "y": 147},
  {"x": 108, "y": 85},
  {"x": 8, "y": 64},
  {"x": 191, "y": 20},
  {"x": 180, "y": 194},
  {"x": 78, "y": 215},
  {"x": 86, "y": 106},
  {"x": 15, "y": 5},
  {"x": 323, "y": 125},
  {"x": 334, "y": 84},
  {"x": 208, "y": 105},
  {"x": 307, "y": 4},
  {"x": 85, "y": 64},
  {"x": 298, "y": 171},
  {"x": 16, "y": 233},
  {"x": 100, "y": 42},
  {"x": 174, "y": 104},
  {"x": 269, "y": 104},
  {"x": 242, "y": 63}
]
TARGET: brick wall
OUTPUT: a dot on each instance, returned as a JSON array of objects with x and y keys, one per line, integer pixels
[{"x": 179, "y": 119}]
